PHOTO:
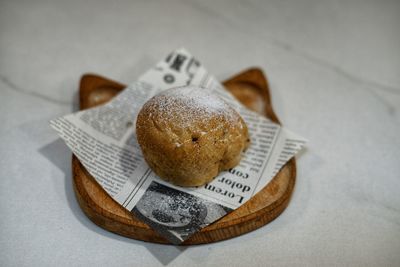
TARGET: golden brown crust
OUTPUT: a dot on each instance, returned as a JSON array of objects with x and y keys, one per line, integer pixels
[{"x": 188, "y": 135}]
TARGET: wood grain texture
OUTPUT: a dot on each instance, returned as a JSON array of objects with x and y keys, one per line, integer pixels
[{"x": 251, "y": 88}]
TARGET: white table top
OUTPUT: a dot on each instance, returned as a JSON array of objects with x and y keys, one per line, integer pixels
[{"x": 334, "y": 71}]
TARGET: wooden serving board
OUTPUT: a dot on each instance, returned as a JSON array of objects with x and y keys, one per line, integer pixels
[{"x": 251, "y": 88}]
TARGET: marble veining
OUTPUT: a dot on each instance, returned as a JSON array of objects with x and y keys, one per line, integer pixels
[
  {"x": 236, "y": 23},
  {"x": 11, "y": 85}
]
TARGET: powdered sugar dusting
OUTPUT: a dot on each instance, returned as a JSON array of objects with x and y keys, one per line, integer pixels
[{"x": 189, "y": 104}]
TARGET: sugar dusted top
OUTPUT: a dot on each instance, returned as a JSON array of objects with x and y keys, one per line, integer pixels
[{"x": 189, "y": 104}]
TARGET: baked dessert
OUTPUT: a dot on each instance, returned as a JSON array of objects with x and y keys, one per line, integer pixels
[{"x": 188, "y": 135}]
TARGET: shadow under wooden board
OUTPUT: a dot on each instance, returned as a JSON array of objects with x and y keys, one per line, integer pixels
[{"x": 249, "y": 87}]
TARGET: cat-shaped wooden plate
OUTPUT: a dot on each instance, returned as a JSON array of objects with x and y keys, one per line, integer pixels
[{"x": 249, "y": 87}]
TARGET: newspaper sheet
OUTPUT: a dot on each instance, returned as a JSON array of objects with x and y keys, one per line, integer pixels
[{"x": 103, "y": 138}]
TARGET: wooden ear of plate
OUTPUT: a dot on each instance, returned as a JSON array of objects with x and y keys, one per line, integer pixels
[{"x": 251, "y": 88}]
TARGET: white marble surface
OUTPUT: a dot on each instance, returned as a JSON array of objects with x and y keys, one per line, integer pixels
[{"x": 334, "y": 70}]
